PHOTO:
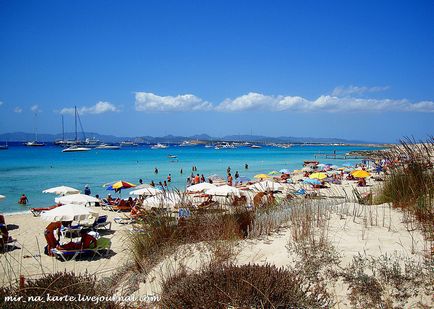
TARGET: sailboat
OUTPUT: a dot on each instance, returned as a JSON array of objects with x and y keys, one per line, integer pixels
[
  {"x": 35, "y": 143},
  {"x": 76, "y": 147}
]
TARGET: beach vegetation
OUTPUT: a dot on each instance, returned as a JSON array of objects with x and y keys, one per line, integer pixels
[
  {"x": 246, "y": 286},
  {"x": 409, "y": 182}
]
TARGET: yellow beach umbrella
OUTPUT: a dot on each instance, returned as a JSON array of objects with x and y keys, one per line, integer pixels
[
  {"x": 360, "y": 174},
  {"x": 262, "y": 176},
  {"x": 318, "y": 176},
  {"x": 120, "y": 185}
]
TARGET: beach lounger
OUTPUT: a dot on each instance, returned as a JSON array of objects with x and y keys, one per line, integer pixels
[
  {"x": 4, "y": 245},
  {"x": 102, "y": 222},
  {"x": 37, "y": 211},
  {"x": 102, "y": 248},
  {"x": 125, "y": 220}
]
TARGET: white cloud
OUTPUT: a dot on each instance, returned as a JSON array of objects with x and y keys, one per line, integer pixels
[
  {"x": 325, "y": 103},
  {"x": 146, "y": 101},
  {"x": 350, "y": 90},
  {"x": 35, "y": 109},
  {"x": 98, "y": 108},
  {"x": 18, "y": 109}
]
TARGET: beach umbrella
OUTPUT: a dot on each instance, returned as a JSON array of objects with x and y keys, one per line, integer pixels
[
  {"x": 79, "y": 199},
  {"x": 200, "y": 187},
  {"x": 312, "y": 181},
  {"x": 224, "y": 190},
  {"x": 166, "y": 200},
  {"x": 321, "y": 165},
  {"x": 143, "y": 186},
  {"x": 273, "y": 173},
  {"x": 285, "y": 171},
  {"x": 146, "y": 191},
  {"x": 318, "y": 176},
  {"x": 2, "y": 197},
  {"x": 69, "y": 212},
  {"x": 266, "y": 185},
  {"x": 118, "y": 185},
  {"x": 360, "y": 174},
  {"x": 62, "y": 190},
  {"x": 262, "y": 176},
  {"x": 333, "y": 167}
]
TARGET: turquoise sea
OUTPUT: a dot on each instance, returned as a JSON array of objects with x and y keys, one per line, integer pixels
[{"x": 30, "y": 170}]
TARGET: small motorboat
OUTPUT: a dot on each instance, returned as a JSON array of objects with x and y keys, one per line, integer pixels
[
  {"x": 76, "y": 149},
  {"x": 172, "y": 156}
]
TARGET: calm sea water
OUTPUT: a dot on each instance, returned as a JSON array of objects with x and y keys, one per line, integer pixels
[{"x": 30, "y": 170}]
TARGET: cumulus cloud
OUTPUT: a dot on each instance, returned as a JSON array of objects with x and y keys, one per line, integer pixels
[
  {"x": 325, "y": 103},
  {"x": 98, "y": 108},
  {"x": 18, "y": 109},
  {"x": 35, "y": 109},
  {"x": 146, "y": 101},
  {"x": 357, "y": 90}
]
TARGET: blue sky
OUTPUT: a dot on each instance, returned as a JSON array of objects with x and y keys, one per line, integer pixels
[{"x": 348, "y": 69}]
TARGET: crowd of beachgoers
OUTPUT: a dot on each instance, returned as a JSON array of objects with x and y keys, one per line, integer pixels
[{"x": 313, "y": 179}]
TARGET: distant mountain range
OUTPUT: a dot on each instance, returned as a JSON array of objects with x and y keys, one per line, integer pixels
[{"x": 23, "y": 136}]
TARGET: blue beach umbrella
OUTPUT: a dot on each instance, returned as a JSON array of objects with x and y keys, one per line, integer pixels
[{"x": 312, "y": 181}]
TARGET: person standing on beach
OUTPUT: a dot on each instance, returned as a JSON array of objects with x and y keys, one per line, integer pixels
[
  {"x": 230, "y": 179},
  {"x": 228, "y": 170},
  {"x": 188, "y": 182},
  {"x": 202, "y": 178},
  {"x": 196, "y": 179},
  {"x": 236, "y": 175},
  {"x": 49, "y": 234},
  {"x": 169, "y": 178}
]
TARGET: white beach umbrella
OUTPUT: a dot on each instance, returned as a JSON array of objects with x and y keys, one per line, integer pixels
[
  {"x": 69, "y": 212},
  {"x": 143, "y": 185},
  {"x": 2, "y": 197},
  {"x": 201, "y": 187},
  {"x": 62, "y": 190},
  {"x": 266, "y": 185},
  {"x": 166, "y": 200},
  {"x": 224, "y": 190},
  {"x": 146, "y": 191},
  {"x": 80, "y": 199}
]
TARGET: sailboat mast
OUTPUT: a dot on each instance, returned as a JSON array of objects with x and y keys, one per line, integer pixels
[
  {"x": 36, "y": 127},
  {"x": 63, "y": 130},
  {"x": 75, "y": 108}
]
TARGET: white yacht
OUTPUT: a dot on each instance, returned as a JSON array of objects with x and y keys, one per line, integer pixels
[
  {"x": 76, "y": 149},
  {"x": 108, "y": 147},
  {"x": 159, "y": 146},
  {"x": 255, "y": 146}
]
